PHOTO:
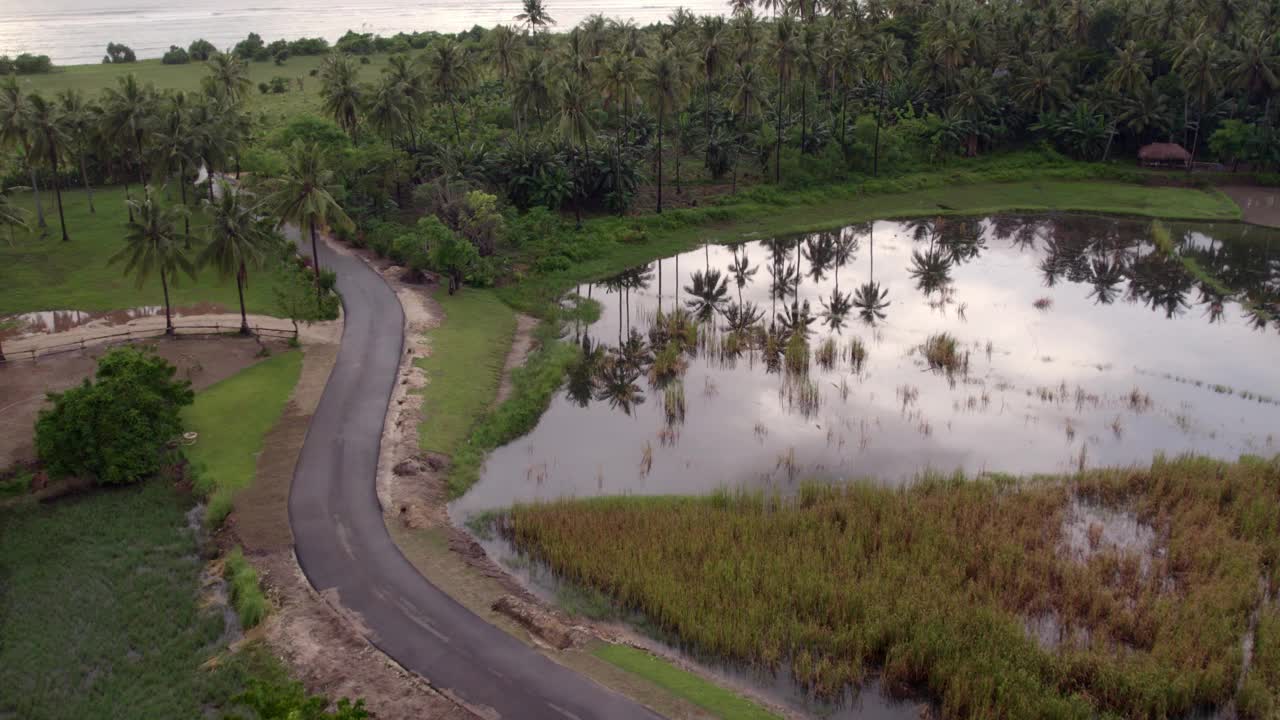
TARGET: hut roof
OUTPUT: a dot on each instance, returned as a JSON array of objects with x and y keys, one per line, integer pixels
[{"x": 1164, "y": 152}]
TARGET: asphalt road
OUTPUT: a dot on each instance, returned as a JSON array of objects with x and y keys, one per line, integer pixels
[{"x": 345, "y": 550}]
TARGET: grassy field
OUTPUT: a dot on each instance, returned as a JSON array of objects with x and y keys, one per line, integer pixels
[
  {"x": 932, "y": 585},
  {"x": 47, "y": 274},
  {"x": 272, "y": 108},
  {"x": 468, "y": 350},
  {"x": 985, "y": 186},
  {"x": 99, "y": 614},
  {"x": 232, "y": 418},
  {"x": 681, "y": 683}
]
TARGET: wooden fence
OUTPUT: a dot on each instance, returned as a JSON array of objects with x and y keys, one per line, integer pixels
[{"x": 128, "y": 335}]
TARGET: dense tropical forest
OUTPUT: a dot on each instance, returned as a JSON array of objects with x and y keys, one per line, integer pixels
[{"x": 613, "y": 117}]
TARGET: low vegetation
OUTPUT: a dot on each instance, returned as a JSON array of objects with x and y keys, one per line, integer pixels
[
  {"x": 231, "y": 419},
  {"x": 100, "y": 614},
  {"x": 714, "y": 699},
  {"x": 936, "y": 585},
  {"x": 246, "y": 595}
]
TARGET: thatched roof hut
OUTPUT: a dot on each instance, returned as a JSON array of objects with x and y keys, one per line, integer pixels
[{"x": 1164, "y": 155}]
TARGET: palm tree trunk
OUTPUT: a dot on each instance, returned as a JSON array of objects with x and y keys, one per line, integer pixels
[
  {"x": 128, "y": 199},
  {"x": 244, "y": 318},
  {"x": 168, "y": 315},
  {"x": 457, "y": 129},
  {"x": 57, "y": 192},
  {"x": 777, "y": 150},
  {"x": 804, "y": 113},
  {"x": 660, "y": 119},
  {"x": 35, "y": 191},
  {"x": 182, "y": 189},
  {"x": 84, "y": 177},
  {"x": 875, "y": 164},
  {"x": 315, "y": 255}
]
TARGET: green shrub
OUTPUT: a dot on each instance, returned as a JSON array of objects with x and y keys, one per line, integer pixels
[
  {"x": 287, "y": 700},
  {"x": 246, "y": 594},
  {"x": 114, "y": 428},
  {"x": 176, "y": 56}
]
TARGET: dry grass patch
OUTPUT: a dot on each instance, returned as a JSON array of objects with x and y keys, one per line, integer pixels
[{"x": 935, "y": 585}]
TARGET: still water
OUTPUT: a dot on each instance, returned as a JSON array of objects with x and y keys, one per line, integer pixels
[
  {"x": 1078, "y": 344},
  {"x": 77, "y": 31}
]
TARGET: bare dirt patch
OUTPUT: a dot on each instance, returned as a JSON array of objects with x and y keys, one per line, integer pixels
[
  {"x": 23, "y": 385},
  {"x": 521, "y": 346}
]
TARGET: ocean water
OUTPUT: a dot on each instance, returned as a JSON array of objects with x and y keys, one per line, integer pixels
[{"x": 77, "y": 31}]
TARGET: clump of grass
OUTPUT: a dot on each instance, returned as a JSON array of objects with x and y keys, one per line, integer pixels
[
  {"x": 801, "y": 394},
  {"x": 825, "y": 356},
  {"x": 797, "y": 355},
  {"x": 935, "y": 579},
  {"x": 1043, "y": 303},
  {"x": 943, "y": 352},
  {"x": 246, "y": 594},
  {"x": 673, "y": 404},
  {"x": 1138, "y": 401},
  {"x": 857, "y": 354},
  {"x": 668, "y": 363}
]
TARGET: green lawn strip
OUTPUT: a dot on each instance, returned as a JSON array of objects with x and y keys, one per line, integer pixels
[
  {"x": 711, "y": 697},
  {"x": 47, "y": 274},
  {"x": 464, "y": 367},
  {"x": 99, "y": 614},
  {"x": 765, "y": 211},
  {"x": 232, "y": 418}
]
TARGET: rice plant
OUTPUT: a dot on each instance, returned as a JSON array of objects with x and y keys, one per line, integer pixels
[{"x": 673, "y": 404}]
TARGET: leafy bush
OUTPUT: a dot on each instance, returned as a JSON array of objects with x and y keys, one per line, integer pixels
[
  {"x": 246, "y": 594},
  {"x": 114, "y": 428},
  {"x": 201, "y": 49},
  {"x": 118, "y": 53},
  {"x": 176, "y": 56},
  {"x": 25, "y": 64},
  {"x": 452, "y": 256}
]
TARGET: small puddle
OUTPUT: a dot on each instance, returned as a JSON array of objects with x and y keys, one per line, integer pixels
[
  {"x": 48, "y": 322},
  {"x": 1090, "y": 529}
]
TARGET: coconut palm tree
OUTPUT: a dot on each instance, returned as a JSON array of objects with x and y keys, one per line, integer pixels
[
  {"x": 153, "y": 244},
  {"x": 174, "y": 146},
  {"x": 304, "y": 194},
  {"x": 534, "y": 17},
  {"x": 1039, "y": 83},
  {"x": 709, "y": 290},
  {"x": 449, "y": 73},
  {"x": 386, "y": 110},
  {"x": 228, "y": 76},
  {"x": 238, "y": 238},
  {"x": 783, "y": 48},
  {"x": 575, "y": 129},
  {"x": 1130, "y": 70},
  {"x": 885, "y": 61},
  {"x": 49, "y": 141},
  {"x": 79, "y": 123},
  {"x": 14, "y": 133},
  {"x": 127, "y": 114},
  {"x": 505, "y": 50},
  {"x": 341, "y": 92},
  {"x": 531, "y": 94},
  {"x": 664, "y": 83}
]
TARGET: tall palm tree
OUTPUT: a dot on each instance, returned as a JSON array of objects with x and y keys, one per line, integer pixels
[
  {"x": 174, "y": 146},
  {"x": 238, "y": 240},
  {"x": 341, "y": 93},
  {"x": 531, "y": 94},
  {"x": 783, "y": 48},
  {"x": 747, "y": 88},
  {"x": 386, "y": 111},
  {"x": 505, "y": 51},
  {"x": 1130, "y": 70},
  {"x": 884, "y": 63},
  {"x": 229, "y": 75},
  {"x": 79, "y": 123},
  {"x": 154, "y": 245},
  {"x": 48, "y": 141},
  {"x": 1039, "y": 83},
  {"x": 534, "y": 17},
  {"x": 575, "y": 129},
  {"x": 14, "y": 133},
  {"x": 127, "y": 114},
  {"x": 449, "y": 72},
  {"x": 1198, "y": 65},
  {"x": 304, "y": 194},
  {"x": 665, "y": 85},
  {"x": 713, "y": 40}
]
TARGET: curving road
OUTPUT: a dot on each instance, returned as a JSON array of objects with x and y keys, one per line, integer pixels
[{"x": 345, "y": 550}]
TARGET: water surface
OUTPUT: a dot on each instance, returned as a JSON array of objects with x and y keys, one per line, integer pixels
[{"x": 1081, "y": 345}]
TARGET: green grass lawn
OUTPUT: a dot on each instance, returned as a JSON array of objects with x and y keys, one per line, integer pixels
[
  {"x": 99, "y": 616},
  {"x": 232, "y": 418},
  {"x": 272, "y": 108},
  {"x": 464, "y": 368},
  {"x": 710, "y": 697},
  {"x": 765, "y": 211},
  {"x": 44, "y": 273}
]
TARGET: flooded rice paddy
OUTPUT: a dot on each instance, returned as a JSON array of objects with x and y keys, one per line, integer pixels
[{"x": 883, "y": 350}]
